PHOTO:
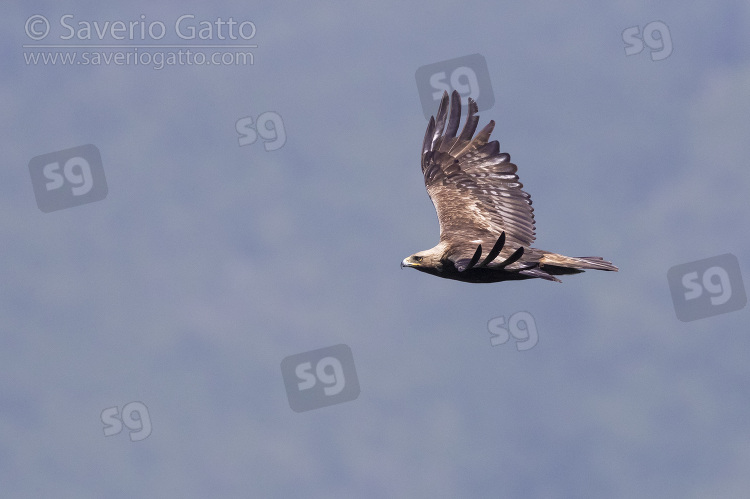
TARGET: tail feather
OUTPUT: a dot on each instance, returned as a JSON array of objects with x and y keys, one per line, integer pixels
[
  {"x": 579, "y": 263},
  {"x": 541, "y": 274}
]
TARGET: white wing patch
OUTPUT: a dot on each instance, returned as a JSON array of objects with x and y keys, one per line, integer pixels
[{"x": 481, "y": 216}]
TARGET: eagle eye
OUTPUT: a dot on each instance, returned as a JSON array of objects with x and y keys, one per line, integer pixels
[{"x": 417, "y": 258}]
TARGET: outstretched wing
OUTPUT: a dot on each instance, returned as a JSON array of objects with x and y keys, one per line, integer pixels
[{"x": 473, "y": 186}]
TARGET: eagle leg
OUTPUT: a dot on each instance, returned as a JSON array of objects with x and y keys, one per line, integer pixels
[
  {"x": 513, "y": 258},
  {"x": 495, "y": 250},
  {"x": 475, "y": 258}
]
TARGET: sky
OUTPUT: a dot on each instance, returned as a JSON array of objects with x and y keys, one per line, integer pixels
[{"x": 220, "y": 311}]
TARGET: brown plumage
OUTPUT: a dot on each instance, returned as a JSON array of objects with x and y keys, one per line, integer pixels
[{"x": 480, "y": 207}]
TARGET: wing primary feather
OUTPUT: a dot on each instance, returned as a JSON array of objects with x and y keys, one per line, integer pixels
[
  {"x": 469, "y": 128},
  {"x": 475, "y": 258},
  {"x": 471, "y": 123},
  {"x": 494, "y": 251},
  {"x": 442, "y": 114},
  {"x": 477, "y": 142},
  {"x": 513, "y": 258},
  {"x": 484, "y": 135},
  {"x": 427, "y": 144},
  {"x": 455, "y": 116}
]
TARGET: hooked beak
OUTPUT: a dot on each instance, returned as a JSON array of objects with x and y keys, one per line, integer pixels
[{"x": 405, "y": 263}]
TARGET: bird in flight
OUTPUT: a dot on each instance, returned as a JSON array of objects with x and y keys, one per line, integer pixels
[{"x": 480, "y": 206}]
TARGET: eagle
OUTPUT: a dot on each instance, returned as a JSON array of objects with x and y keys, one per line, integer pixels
[{"x": 480, "y": 204}]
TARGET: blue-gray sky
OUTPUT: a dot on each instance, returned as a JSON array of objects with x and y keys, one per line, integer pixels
[{"x": 209, "y": 262}]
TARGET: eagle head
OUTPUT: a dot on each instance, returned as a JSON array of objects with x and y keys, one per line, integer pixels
[{"x": 426, "y": 261}]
